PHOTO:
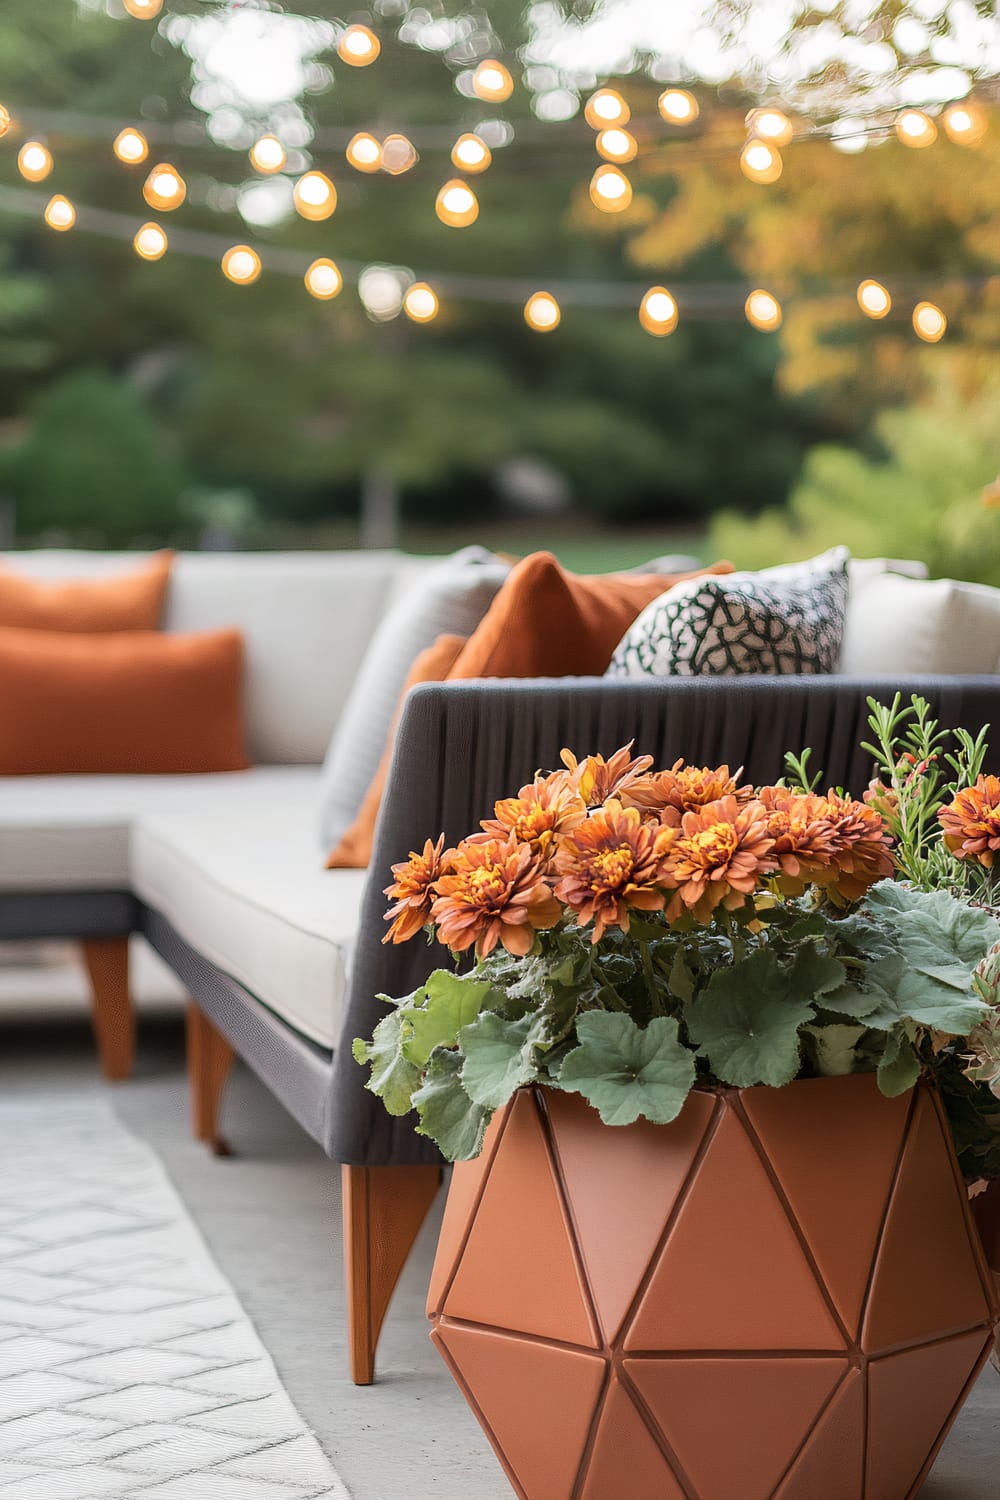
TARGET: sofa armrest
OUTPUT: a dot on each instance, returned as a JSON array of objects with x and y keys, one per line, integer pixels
[{"x": 462, "y": 745}]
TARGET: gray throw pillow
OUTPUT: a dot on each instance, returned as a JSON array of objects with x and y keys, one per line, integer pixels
[
  {"x": 449, "y": 599},
  {"x": 781, "y": 620}
]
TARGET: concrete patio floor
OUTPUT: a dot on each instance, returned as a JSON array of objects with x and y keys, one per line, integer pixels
[{"x": 270, "y": 1215}]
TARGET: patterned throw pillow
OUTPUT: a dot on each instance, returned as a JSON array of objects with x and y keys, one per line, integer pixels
[{"x": 780, "y": 620}]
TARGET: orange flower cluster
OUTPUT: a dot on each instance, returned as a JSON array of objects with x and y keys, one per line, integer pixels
[
  {"x": 603, "y": 838},
  {"x": 972, "y": 822}
]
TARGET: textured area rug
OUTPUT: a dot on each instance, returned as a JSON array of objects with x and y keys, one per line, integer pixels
[{"x": 127, "y": 1366}]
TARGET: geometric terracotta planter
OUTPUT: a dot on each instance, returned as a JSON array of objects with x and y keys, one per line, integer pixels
[{"x": 781, "y": 1294}]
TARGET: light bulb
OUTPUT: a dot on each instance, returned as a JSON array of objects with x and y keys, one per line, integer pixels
[
  {"x": 873, "y": 299},
  {"x": 914, "y": 128},
  {"x": 929, "y": 322},
  {"x": 492, "y": 82},
  {"x": 131, "y": 146},
  {"x": 364, "y": 152},
  {"x": 471, "y": 154},
  {"x": 60, "y": 213},
  {"x": 606, "y": 107},
  {"x": 150, "y": 242},
  {"x": 658, "y": 312},
  {"x": 965, "y": 124},
  {"x": 770, "y": 125},
  {"x": 241, "y": 264},
  {"x": 398, "y": 155},
  {"x": 5, "y": 121},
  {"x": 610, "y": 190},
  {"x": 457, "y": 205},
  {"x": 34, "y": 161},
  {"x": 763, "y": 311},
  {"x": 420, "y": 303},
  {"x": 541, "y": 312},
  {"x": 678, "y": 107},
  {"x": 760, "y": 162},
  {"x": 143, "y": 10},
  {"x": 323, "y": 280},
  {"x": 358, "y": 46},
  {"x": 267, "y": 154},
  {"x": 315, "y": 196},
  {"x": 616, "y": 145},
  {"x": 164, "y": 188}
]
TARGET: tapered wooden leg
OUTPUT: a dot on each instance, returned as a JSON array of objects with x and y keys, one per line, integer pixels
[
  {"x": 112, "y": 1014},
  {"x": 384, "y": 1208},
  {"x": 209, "y": 1059}
]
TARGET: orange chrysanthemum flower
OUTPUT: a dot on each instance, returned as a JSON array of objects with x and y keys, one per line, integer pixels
[
  {"x": 805, "y": 841},
  {"x": 610, "y": 863},
  {"x": 548, "y": 806},
  {"x": 972, "y": 822},
  {"x": 413, "y": 891},
  {"x": 598, "y": 780},
  {"x": 493, "y": 893},
  {"x": 862, "y": 848},
  {"x": 718, "y": 855},
  {"x": 686, "y": 788}
]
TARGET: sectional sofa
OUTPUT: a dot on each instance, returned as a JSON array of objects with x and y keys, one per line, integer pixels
[{"x": 283, "y": 959}]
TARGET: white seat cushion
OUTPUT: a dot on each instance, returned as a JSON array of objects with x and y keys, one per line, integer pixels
[
  {"x": 70, "y": 833},
  {"x": 245, "y": 888}
]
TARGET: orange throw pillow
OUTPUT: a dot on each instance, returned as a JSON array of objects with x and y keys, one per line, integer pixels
[
  {"x": 354, "y": 851},
  {"x": 135, "y": 702},
  {"x": 121, "y": 601}
]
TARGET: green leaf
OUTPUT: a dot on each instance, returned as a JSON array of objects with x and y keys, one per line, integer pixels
[
  {"x": 816, "y": 973},
  {"x": 903, "y": 993},
  {"x": 393, "y": 1077},
  {"x": 834, "y": 1048},
  {"x": 899, "y": 1068},
  {"x": 681, "y": 981},
  {"x": 447, "y": 1114},
  {"x": 938, "y": 934},
  {"x": 625, "y": 1072},
  {"x": 747, "y": 1023},
  {"x": 498, "y": 1057},
  {"x": 437, "y": 1012}
]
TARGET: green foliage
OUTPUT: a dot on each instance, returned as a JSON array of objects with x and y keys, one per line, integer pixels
[
  {"x": 748, "y": 1018},
  {"x": 625, "y": 1072}
]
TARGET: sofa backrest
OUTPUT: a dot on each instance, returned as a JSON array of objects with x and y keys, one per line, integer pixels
[{"x": 307, "y": 618}]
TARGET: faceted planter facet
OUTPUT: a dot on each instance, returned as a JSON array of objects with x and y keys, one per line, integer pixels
[{"x": 780, "y": 1296}]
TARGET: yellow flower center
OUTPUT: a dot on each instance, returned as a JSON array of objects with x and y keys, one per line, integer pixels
[
  {"x": 613, "y": 867},
  {"x": 486, "y": 883},
  {"x": 715, "y": 845}
]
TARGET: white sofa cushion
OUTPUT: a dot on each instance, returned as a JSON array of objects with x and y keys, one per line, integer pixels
[
  {"x": 70, "y": 833},
  {"x": 899, "y": 625},
  {"x": 245, "y": 890}
]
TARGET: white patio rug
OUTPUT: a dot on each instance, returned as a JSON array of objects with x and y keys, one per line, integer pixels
[{"x": 127, "y": 1366}]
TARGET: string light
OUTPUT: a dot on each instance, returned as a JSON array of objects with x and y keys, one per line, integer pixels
[
  {"x": 763, "y": 311},
  {"x": 143, "y": 10},
  {"x": 929, "y": 322},
  {"x": 131, "y": 146},
  {"x": 965, "y": 124},
  {"x": 678, "y": 107},
  {"x": 5, "y": 121},
  {"x": 60, "y": 213},
  {"x": 457, "y": 205},
  {"x": 916, "y": 129},
  {"x": 873, "y": 299},
  {"x": 541, "y": 312},
  {"x": 315, "y": 196},
  {"x": 34, "y": 161},
  {"x": 420, "y": 303},
  {"x": 358, "y": 46},
  {"x": 606, "y": 107},
  {"x": 471, "y": 154},
  {"x": 492, "y": 82},
  {"x": 760, "y": 162},
  {"x": 267, "y": 155},
  {"x": 323, "y": 280},
  {"x": 150, "y": 242},
  {"x": 658, "y": 312},
  {"x": 770, "y": 125},
  {"x": 398, "y": 155},
  {"x": 241, "y": 265},
  {"x": 364, "y": 152},
  {"x": 616, "y": 145},
  {"x": 164, "y": 188},
  {"x": 610, "y": 190}
]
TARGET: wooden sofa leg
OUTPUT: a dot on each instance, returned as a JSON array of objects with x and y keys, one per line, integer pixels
[
  {"x": 384, "y": 1208},
  {"x": 209, "y": 1059},
  {"x": 113, "y": 1018}
]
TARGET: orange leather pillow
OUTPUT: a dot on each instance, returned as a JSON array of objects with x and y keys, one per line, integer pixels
[
  {"x": 133, "y": 702},
  {"x": 354, "y": 851},
  {"x": 122, "y": 601}
]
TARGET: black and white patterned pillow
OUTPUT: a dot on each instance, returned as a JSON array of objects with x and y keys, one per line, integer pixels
[{"x": 780, "y": 620}]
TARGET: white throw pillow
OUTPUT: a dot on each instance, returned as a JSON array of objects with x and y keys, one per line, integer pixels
[
  {"x": 450, "y": 599},
  {"x": 897, "y": 626}
]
